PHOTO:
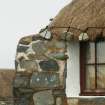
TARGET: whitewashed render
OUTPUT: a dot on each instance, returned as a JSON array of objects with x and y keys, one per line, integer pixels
[{"x": 73, "y": 68}]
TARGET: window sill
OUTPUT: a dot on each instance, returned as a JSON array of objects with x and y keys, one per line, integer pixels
[{"x": 93, "y": 93}]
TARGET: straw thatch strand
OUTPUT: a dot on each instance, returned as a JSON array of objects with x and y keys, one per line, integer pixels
[{"x": 81, "y": 16}]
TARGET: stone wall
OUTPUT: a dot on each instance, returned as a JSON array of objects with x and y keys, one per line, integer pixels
[
  {"x": 6, "y": 96},
  {"x": 86, "y": 101},
  {"x": 41, "y": 71}
]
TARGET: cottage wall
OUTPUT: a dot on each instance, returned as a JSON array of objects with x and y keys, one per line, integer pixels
[{"x": 41, "y": 71}]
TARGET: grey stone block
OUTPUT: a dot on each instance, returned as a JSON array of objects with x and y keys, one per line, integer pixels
[
  {"x": 21, "y": 48},
  {"x": 44, "y": 80},
  {"x": 30, "y": 65},
  {"x": 49, "y": 65},
  {"x": 39, "y": 47},
  {"x": 21, "y": 82},
  {"x": 43, "y": 98}
]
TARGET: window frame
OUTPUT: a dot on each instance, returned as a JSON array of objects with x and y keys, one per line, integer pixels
[{"x": 83, "y": 90}]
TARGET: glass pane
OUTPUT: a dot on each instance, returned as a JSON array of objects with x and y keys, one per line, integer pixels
[
  {"x": 101, "y": 52},
  {"x": 90, "y": 53},
  {"x": 101, "y": 76},
  {"x": 90, "y": 77}
]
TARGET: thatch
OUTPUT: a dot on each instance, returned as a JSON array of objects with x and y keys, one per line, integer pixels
[
  {"x": 6, "y": 80},
  {"x": 80, "y": 15}
]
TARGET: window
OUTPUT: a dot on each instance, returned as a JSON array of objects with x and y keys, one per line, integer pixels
[{"x": 92, "y": 68}]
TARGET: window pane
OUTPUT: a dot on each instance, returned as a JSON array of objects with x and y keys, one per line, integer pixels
[
  {"x": 90, "y": 77},
  {"x": 90, "y": 53},
  {"x": 101, "y": 52},
  {"x": 101, "y": 76}
]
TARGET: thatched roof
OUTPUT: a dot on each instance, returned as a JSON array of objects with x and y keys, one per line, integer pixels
[
  {"x": 81, "y": 15},
  {"x": 6, "y": 79}
]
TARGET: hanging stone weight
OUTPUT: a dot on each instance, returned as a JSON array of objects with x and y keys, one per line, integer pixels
[
  {"x": 83, "y": 36},
  {"x": 68, "y": 36},
  {"x": 46, "y": 34}
]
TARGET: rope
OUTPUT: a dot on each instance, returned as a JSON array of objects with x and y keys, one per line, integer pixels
[{"x": 76, "y": 28}]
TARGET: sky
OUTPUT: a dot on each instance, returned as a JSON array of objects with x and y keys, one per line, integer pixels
[{"x": 20, "y": 18}]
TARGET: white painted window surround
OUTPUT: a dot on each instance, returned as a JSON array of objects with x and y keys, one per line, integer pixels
[{"x": 73, "y": 81}]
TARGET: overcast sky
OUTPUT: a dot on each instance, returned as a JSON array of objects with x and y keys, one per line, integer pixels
[{"x": 20, "y": 18}]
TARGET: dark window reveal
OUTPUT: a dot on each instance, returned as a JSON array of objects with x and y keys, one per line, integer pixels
[{"x": 92, "y": 68}]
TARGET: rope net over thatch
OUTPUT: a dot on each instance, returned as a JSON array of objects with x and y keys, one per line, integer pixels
[{"x": 81, "y": 16}]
